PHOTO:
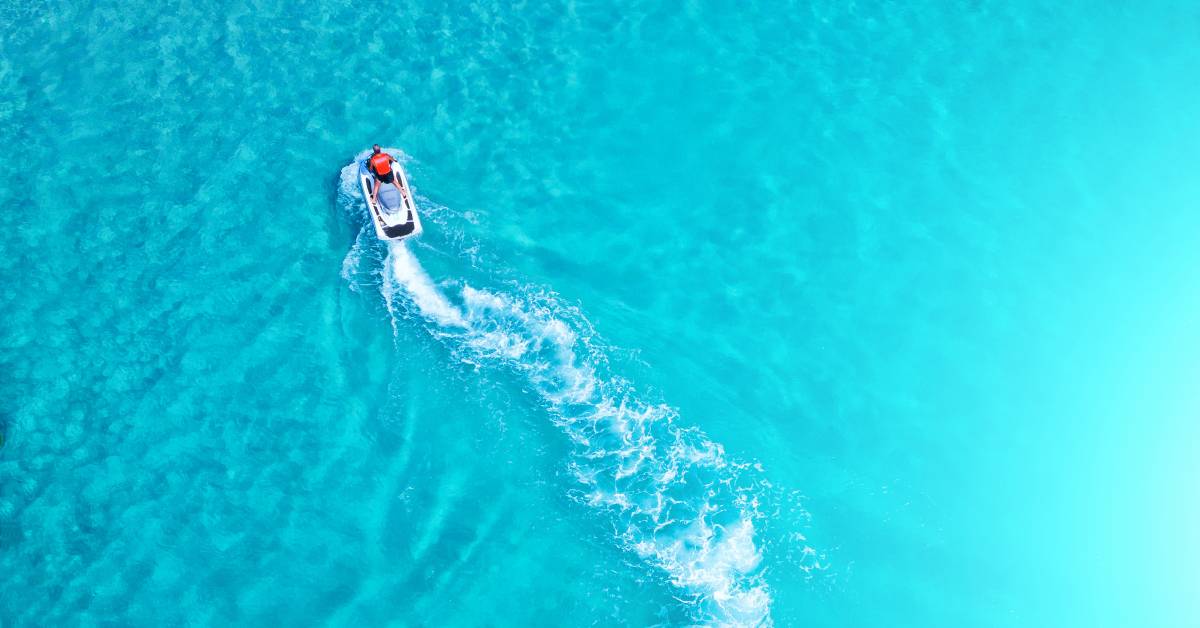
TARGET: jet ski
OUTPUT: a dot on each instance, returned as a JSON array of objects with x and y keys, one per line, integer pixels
[{"x": 394, "y": 216}]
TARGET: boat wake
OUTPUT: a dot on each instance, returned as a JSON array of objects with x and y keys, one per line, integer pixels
[{"x": 673, "y": 497}]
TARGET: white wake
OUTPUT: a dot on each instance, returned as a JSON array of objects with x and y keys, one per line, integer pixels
[{"x": 672, "y": 496}]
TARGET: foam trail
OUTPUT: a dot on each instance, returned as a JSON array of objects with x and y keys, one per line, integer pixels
[
  {"x": 671, "y": 493},
  {"x": 406, "y": 273},
  {"x": 672, "y": 496}
]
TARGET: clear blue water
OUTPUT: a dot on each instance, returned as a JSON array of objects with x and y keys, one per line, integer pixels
[{"x": 820, "y": 314}]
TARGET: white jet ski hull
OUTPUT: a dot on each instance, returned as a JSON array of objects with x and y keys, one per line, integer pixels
[{"x": 396, "y": 223}]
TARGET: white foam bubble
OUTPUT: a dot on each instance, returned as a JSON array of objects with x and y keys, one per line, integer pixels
[
  {"x": 407, "y": 273},
  {"x": 670, "y": 490}
]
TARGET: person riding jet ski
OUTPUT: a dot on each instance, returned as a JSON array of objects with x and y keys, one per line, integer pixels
[{"x": 380, "y": 165}]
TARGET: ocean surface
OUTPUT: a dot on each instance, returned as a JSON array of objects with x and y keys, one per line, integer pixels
[{"x": 726, "y": 313}]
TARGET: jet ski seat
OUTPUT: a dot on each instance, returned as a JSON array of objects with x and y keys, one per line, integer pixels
[{"x": 389, "y": 198}]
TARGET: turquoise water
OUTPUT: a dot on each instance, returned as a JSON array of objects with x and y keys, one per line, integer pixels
[{"x": 794, "y": 314}]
